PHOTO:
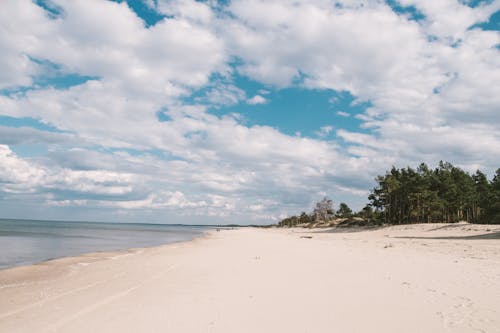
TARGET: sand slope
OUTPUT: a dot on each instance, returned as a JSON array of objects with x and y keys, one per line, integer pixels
[{"x": 417, "y": 278}]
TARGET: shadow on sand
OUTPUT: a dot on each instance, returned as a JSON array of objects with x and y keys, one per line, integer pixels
[
  {"x": 451, "y": 226},
  {"x": 346, "y": 230},
  {"x": 494, "y": 235}
]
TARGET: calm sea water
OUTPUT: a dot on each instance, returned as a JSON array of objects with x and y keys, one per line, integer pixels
[{"x": 24, "y": 242}]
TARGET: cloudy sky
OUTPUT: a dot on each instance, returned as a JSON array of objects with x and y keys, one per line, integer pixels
[{"x": 242, "y": 111}]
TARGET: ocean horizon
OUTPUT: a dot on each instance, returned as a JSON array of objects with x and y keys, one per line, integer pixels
[{"x": 26, "y": 242}]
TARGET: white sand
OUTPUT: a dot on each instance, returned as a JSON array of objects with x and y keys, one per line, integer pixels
[{"x": 254, "y": 280}]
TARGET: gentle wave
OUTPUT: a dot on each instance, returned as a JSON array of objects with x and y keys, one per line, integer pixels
[{"x": 24, "y": 242}]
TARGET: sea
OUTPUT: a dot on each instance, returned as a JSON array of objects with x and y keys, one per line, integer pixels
[{"x": 25, "y": 242}]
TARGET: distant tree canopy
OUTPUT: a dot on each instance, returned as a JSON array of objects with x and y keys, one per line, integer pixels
[
  {"x": 292, "y": 221},
  {"x": 344, "y": 210},
  {"x": 444, "y": 194}
]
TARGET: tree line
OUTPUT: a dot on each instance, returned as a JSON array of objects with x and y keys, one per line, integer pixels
[
  {"x": 322, "y": 212},
  {"x": 444, "y": 194},
  {"x": 422, "y": 195}
]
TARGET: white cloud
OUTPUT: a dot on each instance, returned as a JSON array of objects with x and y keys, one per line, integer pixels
[
  {"x": 440, "y": 23},
  {"x": 324, "y": 131},
  {"x": 19, "y": 20},
  {"x": 343, "y": 114},
  {"x": 158, "y": 200},
  {"x": 187, "y": 9},
  {"x": 432, "y": 84},
  {"x": 224, "y": 94},
  {"x": 122, "y": 49},
  {"x": 395, "y": 63},
  {"x": 17, "y": 175},
  {"x": 90, "y": 181},
  {"x": 257, "y": 99}
]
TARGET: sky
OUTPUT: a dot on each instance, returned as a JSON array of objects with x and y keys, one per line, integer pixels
[{"x": 242, "y": 111}]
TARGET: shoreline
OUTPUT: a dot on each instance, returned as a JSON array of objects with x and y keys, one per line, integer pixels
[
  {"x": 409, "y": 277},
  {"x": 29, "y": 242},
  {"x": 84, "y": 259}
]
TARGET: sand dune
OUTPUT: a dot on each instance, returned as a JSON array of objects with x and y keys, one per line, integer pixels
[{"x": 415, "y": 278}]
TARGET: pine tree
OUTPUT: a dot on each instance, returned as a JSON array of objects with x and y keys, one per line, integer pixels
[
  {"x": 445, "y": 194},
  {"x": 344, "y": 210},
  {"x": 492, "y": 212}
]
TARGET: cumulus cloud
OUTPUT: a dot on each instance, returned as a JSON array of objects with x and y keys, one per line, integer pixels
[
  {"x": 257, "y": 99},
  {"x": 17, "y": 175},
  {"x": 21, "y": 175}
]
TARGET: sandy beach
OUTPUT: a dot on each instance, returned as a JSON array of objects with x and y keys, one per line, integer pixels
[{"x": 413, "y": 278}]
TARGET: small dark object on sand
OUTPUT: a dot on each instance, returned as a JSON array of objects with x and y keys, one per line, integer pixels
[{"x": 306, "y": 236}]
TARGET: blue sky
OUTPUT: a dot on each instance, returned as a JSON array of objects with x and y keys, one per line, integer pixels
[
  {"x": 294, "y": 110},
  {"x": 187, "y": 111}
]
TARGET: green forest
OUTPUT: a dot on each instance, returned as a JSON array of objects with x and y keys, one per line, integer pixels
[
  {"x": 444, "y": 194},
  {"x": 423, "y": 195}
]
